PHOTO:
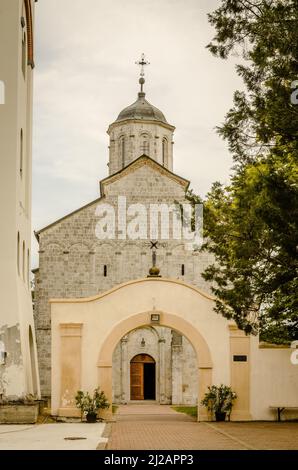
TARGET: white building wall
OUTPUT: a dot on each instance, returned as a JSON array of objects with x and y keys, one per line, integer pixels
[
  {"x": 274, "y": 381},
  {"x": 16, "y": 316}
]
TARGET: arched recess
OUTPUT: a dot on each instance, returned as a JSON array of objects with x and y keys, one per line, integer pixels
[
  {"x": 140, "y": 341},
  {"x": 2, "y": 92},
  {"x": 145, "y": 144},
  {"x": 165, "y": 161},
  {"x": 122, "y": 151},
  {"x": 170, "y": 320},
  {"x": 18, "y": 253},
  {"x": 33, "y": 363}
]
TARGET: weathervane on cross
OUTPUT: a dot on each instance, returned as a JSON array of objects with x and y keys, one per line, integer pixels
[{"x": 142, "y": 63}]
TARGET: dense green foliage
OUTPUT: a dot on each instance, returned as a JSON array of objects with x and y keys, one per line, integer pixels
[
  {"x": 219, "y": 399},
  {"x": 251, "y": 225},
  {"x": 91, "y": 404},
  {"x": 265, "y": 34}
]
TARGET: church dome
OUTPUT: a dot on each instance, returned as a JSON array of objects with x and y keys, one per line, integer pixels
[{"x": 141, "y": 109}]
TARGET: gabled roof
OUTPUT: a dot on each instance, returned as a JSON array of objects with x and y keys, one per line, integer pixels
[
  {"x": 141, "y": 161},
  {"x": 133, "y": 166},
  {"x": 36, "y": 233}
]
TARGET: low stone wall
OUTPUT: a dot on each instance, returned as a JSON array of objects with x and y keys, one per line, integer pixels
[{"x": 19, "y": 414}]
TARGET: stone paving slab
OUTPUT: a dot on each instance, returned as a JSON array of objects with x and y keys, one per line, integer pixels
[
  {"x": 52, "y": 436},
  {"x": 263, "y": 435},
  {"x": 145, "y": 409},
  {"x": 155, "y": 412},
  {"x": 158, "y": 427}
]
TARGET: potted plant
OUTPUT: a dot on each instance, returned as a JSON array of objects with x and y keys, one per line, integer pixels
[
  {"x": 90, "y": 405},
  {"x": 219, "y": 400}
]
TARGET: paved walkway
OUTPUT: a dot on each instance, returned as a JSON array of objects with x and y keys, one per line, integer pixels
[
  {"x": 58, "y": 436},
  {"x": 159, "y": 427}
]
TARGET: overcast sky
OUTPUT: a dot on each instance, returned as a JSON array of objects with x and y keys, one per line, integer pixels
[{"x": 85, "y": 53}]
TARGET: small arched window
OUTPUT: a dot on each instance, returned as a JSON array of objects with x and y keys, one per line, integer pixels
[
  {"x": 145, "y": 144},
  {"x": 28, "y": 267},
  {"x": 24, "y": 54},
  {"x": 122, "y": 151},
  {"x": 165, "y": 152},
  {"x": 2, "y": 92},
  {"x": 18, "y": 252},
  {"x": 24, "y": 261},
  {"x": 21, "y": 153}
]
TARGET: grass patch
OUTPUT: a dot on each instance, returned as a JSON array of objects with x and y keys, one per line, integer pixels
[
  {"x": 188, "y": 410},
  {"x": 114, "y": 408}
]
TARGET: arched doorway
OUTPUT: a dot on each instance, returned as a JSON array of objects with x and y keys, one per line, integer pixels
[
  {"x": 178, "y": 323},
  {"x": 142, "y": 377}
]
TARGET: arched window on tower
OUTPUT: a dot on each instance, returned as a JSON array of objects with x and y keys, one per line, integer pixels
[
  {"x": 122, "y": 151},
  {"x": 165, "y": 152},
  {"x": 21, "y": 153},
  {"x": 145, "y": 144}
]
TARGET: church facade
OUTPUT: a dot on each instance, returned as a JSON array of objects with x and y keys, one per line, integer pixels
[
  {"x": 121, "y": 303},
  {"x": 73, "y": 263}
]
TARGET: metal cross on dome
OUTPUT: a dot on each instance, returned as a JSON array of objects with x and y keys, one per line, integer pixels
[{"x": 142, "y": 63}]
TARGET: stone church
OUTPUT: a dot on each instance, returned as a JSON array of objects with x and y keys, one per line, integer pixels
[
  {"x": 153, "y": 362},
  {"x": 120, "y": 301}
]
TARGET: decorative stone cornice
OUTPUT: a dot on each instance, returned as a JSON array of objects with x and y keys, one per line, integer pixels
[{"x": 139, "y": 121}]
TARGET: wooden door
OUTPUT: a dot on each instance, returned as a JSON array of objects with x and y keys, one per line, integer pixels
[{"x": 137, "y": 381}]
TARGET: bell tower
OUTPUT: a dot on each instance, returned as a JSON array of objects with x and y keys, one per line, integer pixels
[{"x": 140, "y": 129}]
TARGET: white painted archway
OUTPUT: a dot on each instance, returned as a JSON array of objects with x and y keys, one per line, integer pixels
[
  {"x": 85, "y": 333},
  {"x": 166, "y": 319}
]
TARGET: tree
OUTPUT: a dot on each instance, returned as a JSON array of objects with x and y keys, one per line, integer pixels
[
  {"x": 251, "y": 229},
  {"x": 265, "y": 34},
  {"x": 251, "y": 225}
]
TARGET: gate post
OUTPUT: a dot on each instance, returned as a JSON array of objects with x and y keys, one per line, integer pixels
[
  {"x": 105, "y": 384},
  {"x": 205, "y": 381}
]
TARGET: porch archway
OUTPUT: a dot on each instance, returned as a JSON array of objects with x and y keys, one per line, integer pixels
[{"x": 166, "y": 319}]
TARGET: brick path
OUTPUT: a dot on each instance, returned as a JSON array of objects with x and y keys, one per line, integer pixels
[{"x": 158, "y": 427}]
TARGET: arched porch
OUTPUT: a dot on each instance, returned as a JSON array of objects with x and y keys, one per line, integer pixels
[{"x": 85, "y": 333}]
